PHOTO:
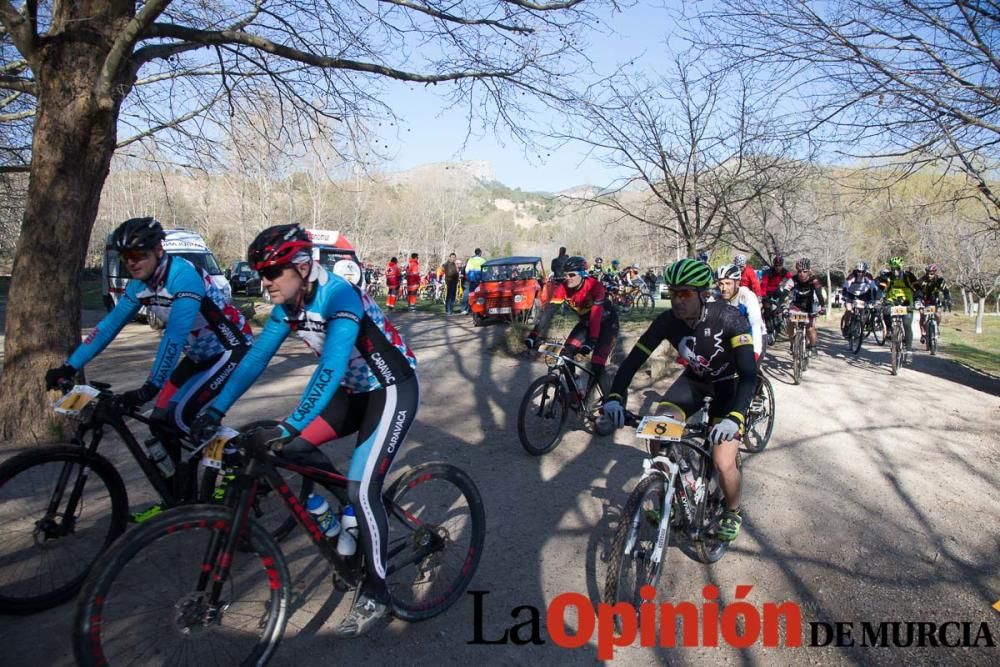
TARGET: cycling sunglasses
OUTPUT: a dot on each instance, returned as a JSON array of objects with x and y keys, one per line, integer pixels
[
  {"x": 572, "y": 274},
  {"x": 681, "y": 294},
  {"x": 272, "y": 273},
  {"x": 134, "y": 255}
]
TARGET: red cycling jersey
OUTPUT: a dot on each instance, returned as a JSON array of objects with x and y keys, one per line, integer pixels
[
  {"x": 587, "y": 299},
  {"x": 749, "y": 279},
  {"x": 773, "y": 280}
]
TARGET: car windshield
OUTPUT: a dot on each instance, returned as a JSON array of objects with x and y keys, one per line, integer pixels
[
  {"x": 203, "y": 260},
  {"x": 510, "y": 272},
  {"x": 330, "y": 257}
]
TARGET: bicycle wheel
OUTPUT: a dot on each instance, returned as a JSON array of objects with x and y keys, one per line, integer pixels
[
  {"x": 633, "y": 561},
  {"x": 644, "y": 304},
  {"x": 710, "y": 548},
  {"x": 542, "y": 415},
  {"x": 856, "y": 334},
  {"x": 147, "y": 602},
  {"x": 805, "y": 351},
  {"x": 49, "y": 547},
  {"x": 932, "y": 336},
  {"x": 268, "y": 509},
  {"x": 760, "y": 418},
  {"x": 437, "y": 529},
  {"x": 897, "y": 349},
  {"x": 797, "y": 350},
  {"x": 877, "y": 329}
]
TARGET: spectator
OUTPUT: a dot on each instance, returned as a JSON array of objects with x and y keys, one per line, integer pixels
[
  {"x": 451, "y": 276},
  {"x": 392, "y": 276},
  {"x": 473, "y": 270},
  {"x": 557, "y": 264},
  {"x": 412, "y": 281}
]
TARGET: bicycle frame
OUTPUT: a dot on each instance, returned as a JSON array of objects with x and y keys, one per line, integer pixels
[{"x": 561, "y": 367}]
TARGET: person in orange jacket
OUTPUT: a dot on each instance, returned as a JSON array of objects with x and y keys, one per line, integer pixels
[
  {"x": 392, "y": 276},
  {"x": 412, "y": 281}
]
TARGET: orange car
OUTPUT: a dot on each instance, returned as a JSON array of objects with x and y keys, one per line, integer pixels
[{"x": 509, "y": 290}]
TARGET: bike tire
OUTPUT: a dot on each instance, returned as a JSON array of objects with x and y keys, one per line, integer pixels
[
  {"x": 532, "y": 437},
  {"x": 805, "y": 352},
  {"x": 932, "y": 336},
  {"x": 36, "y": 576},
  {"x": 269, "y": 510},
  {"x": 149, "y": 575},
  {"x": 645, "y": 304},
  {"x": 896, "y": 351},
  {"x": 857, "y": 334},
  {"x": 708, "y": 549},
  {"x": 877, "y": 329},
  {"x": 629, "y": 572},
  {"x": 423, "y": 506},
  {"x": 797, "y": 357},
  {"x": 760, "y": 426}
]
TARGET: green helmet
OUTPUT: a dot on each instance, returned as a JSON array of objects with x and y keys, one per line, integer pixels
[
  {"x": 688, "y": 273},
  {"x": 895, "y": 262}
]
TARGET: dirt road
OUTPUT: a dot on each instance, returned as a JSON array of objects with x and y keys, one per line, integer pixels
[{"x": 876, "y": 500}]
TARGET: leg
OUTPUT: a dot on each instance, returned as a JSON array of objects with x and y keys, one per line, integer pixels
[{"x": 605, "y": 346}]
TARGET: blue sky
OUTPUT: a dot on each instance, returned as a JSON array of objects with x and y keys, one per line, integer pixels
[{"x": 428, "y": 134}]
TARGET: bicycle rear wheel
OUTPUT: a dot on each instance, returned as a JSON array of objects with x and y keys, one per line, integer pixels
[
  {"x": 542, "y": 415},
  {"x": 711, "y": 548},
  {"x": 48, "y": 547},
  {"x": 760, "y": 417},
  {"x": 632, "y": 561},
  {"x": 149, "y": 601},
  {"x": 797, "y": 354},
  {"x": 436, "y": 532}
]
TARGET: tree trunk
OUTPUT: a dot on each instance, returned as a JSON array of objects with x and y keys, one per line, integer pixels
[
  {"x": 979, "y": 314},
  {"x": 829, "y": 296},
  {"x": 965, "y": 303},
  {"x": 72, "y": 145}
]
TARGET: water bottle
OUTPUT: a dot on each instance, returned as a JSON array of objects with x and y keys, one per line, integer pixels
[
  {"x": 348, "y": 542},
  {"x": 320, "y": 509},
  {"x": 159, "y": 456}
]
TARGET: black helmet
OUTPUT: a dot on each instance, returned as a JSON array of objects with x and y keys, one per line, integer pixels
[
  {"x": 137, "y": 234},
  {"x": 278, "y": 245},
  {"x": 574, "y": 264},
  {"x": 802, "y": 265}
]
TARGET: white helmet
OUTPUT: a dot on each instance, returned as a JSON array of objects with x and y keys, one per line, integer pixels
[
  {"x": 740, "y": 260},
  {"x": 728, "y": 272}
]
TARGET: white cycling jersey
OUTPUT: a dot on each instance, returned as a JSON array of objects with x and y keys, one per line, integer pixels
[{"x": 749, "y": 305}]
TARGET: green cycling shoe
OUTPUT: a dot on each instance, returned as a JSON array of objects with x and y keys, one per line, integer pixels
[{"x": 729, "y": 527}]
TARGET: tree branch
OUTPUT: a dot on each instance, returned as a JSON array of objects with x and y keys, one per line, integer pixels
[
  {"x": 20, "y": 28},
  {"x": 120, "y": 50}
]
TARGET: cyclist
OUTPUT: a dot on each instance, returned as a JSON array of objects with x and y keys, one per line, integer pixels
[
  {"x": 597, "y": 329},
  {"x": 807, "y": 296},
  {"x": 714, "y": 343},
  {"x": 899, "y": 287},
  {"x": 741, "y": 298},
  {"x": 204, "y": 339},
  {"x": 931, "y": 288},
  {"x": 776, "y": 284},
  {"x": 392, "y": 279},
  {"x": 748, "y": 277},
  {"x": 859, "y": 287},
  {"x": 365, "y": 382},
  {"x": 598, "y": 269}
]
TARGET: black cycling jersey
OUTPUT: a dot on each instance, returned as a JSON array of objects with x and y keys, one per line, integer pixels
[
  {"x": 807, "y": 293},
  {"x": 718, "y": 348}
]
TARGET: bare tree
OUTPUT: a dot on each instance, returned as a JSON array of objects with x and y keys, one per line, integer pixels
[
  {"x": 914, "y": 81},
  {"x": 700, "y": 147},
  {"x": 91, "y": 67}
]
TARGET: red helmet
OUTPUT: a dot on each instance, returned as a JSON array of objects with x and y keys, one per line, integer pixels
[
  {"x": 932, "y": 268},
  {"x": 778, "y": 261},
  {"x": 278, "y": 245}
]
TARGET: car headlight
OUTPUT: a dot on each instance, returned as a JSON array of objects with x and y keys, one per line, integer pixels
[
  {"x": 518, "y": 298},
  {"x": 480, "y": 301}
]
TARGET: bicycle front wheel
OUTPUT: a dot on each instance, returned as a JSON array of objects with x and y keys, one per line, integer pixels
[
  {"x": 897, "y": 349},
  {"x": 151, "y": 599},
  {"x": 60, "y": 508},
  {"x": 436, "y": 532},
  {"x": 760, "y": 417},
  {"x": 932, "y": 336},
  {"x": 856, "y": 334},
  {"x": 798, "y": 345},
  {"x": 876, "y": 328},
  {"x": 542, "y": 415},
  {"x": 634, "y": 560}
]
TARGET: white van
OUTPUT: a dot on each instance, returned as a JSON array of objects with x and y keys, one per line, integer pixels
[
  {"x": 181, "y": 242},
  {"x": 337, "y": 255}
]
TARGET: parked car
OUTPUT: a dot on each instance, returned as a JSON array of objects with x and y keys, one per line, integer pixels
[
  {"x": 181, "y": 242},
  {"x": 244, "y": 279},
  {"x": 509, "y": 290},
  {"x": 337, "y": 255}
]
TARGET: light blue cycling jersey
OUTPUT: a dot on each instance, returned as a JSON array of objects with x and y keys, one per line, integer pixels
[
  {"x": 358, "y": 348},
  {"x": 199, "y": 320}
]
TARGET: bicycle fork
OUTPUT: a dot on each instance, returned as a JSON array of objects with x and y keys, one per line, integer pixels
[{"x": 649, "y": 467}]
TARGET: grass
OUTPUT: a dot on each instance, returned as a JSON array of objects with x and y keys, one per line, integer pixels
[
  {"x": 90, "y": 291},
  {"x": 960, "y": 341}
]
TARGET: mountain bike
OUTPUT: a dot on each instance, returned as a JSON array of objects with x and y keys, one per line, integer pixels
[
  {"x": 874, "y": 325},
  {"x": 62, "y": 505},
  {"x": 568, "y": 386},
  {"x": 800, "y": 353},
  {"x": 897, "y": 312},
  {"x": 775, "y": 313},
  {"x": 855, "y": 326},
  {"x": 931, "y": 327},
  {"x": 209, "y": 583},
  {"x": 760, "y": 416},
  {"x": 678, "y": 497}
]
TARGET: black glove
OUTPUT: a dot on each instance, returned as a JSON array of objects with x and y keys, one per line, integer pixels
[
  {"x": 206, "y": 424},
  {"x": 136, "y": 398},
  {"x": 587, "y": 347},
  {"x": 531, "y": 342},
  {"x": 54, "y": 376}
]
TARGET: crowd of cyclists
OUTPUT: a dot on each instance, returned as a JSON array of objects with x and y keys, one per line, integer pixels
[{"x": 364, "y": 382}]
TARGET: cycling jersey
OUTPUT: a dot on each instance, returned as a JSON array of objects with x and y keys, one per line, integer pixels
[
  {"x": 356, "y": 345},
  {"x": 860, "y": 287},
  {"x": 931, "y": 288},
  {"x": 748, "y": 278},
  {"x": 200, "y": 322},
  {"x": 718, "y": 349},
  {"x": 773, "y": 281},
  {"x": 587, "y": 300},
  {"x": 806, "y": 293},
  {"x": 899, "y": 285},
  {"x": 749, "y": 306}
]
